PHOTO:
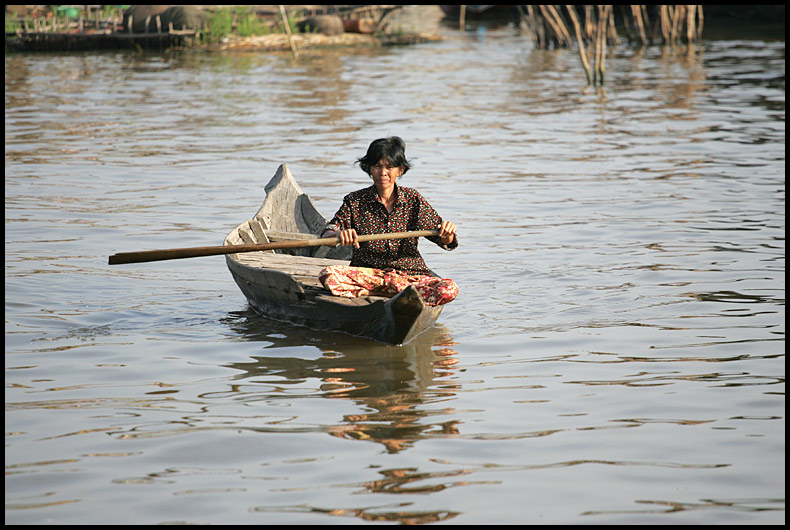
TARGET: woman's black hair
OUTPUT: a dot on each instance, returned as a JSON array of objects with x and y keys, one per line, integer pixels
[{"x": 392, "y": 148}]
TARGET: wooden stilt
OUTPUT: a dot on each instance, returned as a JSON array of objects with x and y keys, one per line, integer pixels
[{"x": 288, "y": 31}]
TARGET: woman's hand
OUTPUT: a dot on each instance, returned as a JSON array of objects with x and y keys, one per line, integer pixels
[
  {"x": 447, "y": 231},
  {"x": 348, "y": 237}
]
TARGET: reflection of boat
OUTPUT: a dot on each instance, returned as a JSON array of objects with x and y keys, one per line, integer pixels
[
  {"x": 396, "y": 388},
  {"x": 368, "y": 369},
  {"x": 401, "y": 393},
  {"x": 285, "y": 286}
]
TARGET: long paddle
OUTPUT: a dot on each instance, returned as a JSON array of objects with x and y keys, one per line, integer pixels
[{"x": 195, "y": 252}]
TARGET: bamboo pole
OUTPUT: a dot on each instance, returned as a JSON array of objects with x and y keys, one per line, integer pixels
[
  {"x": 589, "y": 26},
  {"x": 556, "y": 25},
  {"x": 288, "y": 31},
  {"x": 603, "y": 22},
  {"x": 673, "y": 28},
  {"x": 637, "y": 12},
  {"x": 598, "y": 48},
  {"x": 538, "y": 27},
  {"x": 629, "y": 29},
  {"x": 585, "y": 64},
  {"x": 462, "y": 19},
  {"x": 566, "y": 36},
  {"x": 612, "y": 28},
  {"x": 675, "y": 23},
  {"x": 523, "y": 24},
  {"x": 690, "y": 23}
]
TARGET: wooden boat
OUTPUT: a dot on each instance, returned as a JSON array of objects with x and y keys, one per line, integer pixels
[{"x": 284, "y": 285}]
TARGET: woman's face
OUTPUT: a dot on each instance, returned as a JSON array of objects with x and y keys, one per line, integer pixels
[{"x": 384, "y": 174}]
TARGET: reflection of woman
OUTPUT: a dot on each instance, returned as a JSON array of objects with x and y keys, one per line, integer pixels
[{"x": 388, "y": 266}]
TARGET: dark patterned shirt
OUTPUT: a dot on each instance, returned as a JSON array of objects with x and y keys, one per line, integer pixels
[{"x": 364, "y": 211}]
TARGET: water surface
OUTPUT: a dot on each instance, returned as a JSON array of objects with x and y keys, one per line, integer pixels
[{"x": 616, "y": 354}]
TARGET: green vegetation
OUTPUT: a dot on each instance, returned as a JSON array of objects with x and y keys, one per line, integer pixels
[
  {"x": 249, "y": 24},
  {"x": 59, "y": 16},
  {"x": 12, "y": 24},
  {"x": 219, "y": 25},
  {"x": 243, "y": 22}
]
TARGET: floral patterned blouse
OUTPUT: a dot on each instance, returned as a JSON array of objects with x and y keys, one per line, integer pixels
[{"x": 364, "y": 211}]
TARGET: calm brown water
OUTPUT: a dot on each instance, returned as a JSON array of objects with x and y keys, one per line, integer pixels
[{"x": 616, "y": 355}]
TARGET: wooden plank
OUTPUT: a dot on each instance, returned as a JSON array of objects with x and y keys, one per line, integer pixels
[
  {"x": 245, "y": 236},
  {"x": 279, "y": 235},
  {"x": 302, "y": 265},
  {"x": 303, "y": 269},
  {"x": 311, "y": 282},
  {"x": 258, "y": 231}
]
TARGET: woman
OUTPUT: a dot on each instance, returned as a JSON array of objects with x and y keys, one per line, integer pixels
[{"x": 391, "y": 265}]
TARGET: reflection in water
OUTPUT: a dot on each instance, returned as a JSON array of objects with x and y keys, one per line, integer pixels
[
  {"x": 738, "y": 505},
  {"x": 394, "y": 384},
  {"x": 732, "y": 297},
  {"x": 373, "y": 514},
  {"x": 321, "y": 86}
]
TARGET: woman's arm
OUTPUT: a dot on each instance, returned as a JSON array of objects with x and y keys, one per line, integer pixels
[{"x": 348, "y": 237}]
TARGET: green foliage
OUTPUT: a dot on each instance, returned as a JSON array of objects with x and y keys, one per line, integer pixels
[
  {"x": 220, "y": 25},
  {"x": 242, "y": 21},
  {"x": 292, "y": 19},
  {"x": 12, "y": 24},
  {"x": 249, "y": 24}
]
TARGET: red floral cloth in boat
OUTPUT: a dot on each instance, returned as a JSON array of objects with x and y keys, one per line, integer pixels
[{"x": 344, "y": 280}]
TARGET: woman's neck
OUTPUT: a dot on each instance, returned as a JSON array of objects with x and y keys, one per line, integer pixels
[
  {"x": 387, "y": 197},
  {"x": 386, "y": 194}
]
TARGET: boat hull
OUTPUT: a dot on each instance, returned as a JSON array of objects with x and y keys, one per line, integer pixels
[{"x": 284, "y": 286}]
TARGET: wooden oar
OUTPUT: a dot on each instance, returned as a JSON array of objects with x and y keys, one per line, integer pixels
[{"x": 195, "y": 252}]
